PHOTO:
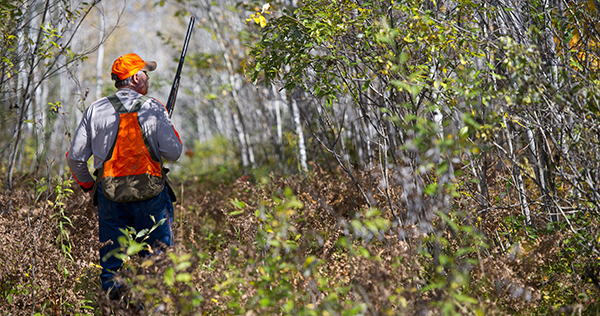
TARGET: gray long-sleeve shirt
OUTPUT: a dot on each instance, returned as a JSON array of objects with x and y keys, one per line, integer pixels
[{"x": 98, "y": 128}]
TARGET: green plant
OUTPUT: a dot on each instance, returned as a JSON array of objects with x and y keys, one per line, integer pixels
[
  {"x": 62, "y": 191},
  {"x": 158, "y": 279},
  {"x": 132, "y": 242},
  {"x": 452, "y": 254}
]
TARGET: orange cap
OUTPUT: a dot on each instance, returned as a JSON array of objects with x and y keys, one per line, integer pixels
[{"x": 128, "y": 65}]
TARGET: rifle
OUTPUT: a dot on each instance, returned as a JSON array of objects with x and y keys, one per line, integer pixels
[{"x": 175, "y": 87}]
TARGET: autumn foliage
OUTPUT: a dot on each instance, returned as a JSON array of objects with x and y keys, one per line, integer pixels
[{"x": 400, "y": 158}]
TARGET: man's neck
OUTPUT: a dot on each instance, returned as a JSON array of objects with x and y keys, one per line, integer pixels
[{"x": 127, "y": 88}]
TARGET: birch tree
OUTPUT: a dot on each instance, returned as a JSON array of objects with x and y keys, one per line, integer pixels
[
  {"x": 454, "y": 79},
  {"x": 43, "y": 52},
  {"x": 238, "y": 118}
]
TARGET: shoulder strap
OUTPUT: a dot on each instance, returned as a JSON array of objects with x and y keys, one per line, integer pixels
[
  {"x": 139, "y": 102},
  {"x": 116, "y": 103},
  {"x": 120, "y": 108}
]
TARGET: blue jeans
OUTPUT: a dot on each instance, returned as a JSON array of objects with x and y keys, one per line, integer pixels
[{"x": 114, "y": 215}]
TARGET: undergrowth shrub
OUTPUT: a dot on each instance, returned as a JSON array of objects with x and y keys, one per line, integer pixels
[
  {"x": 46, "y": 265},
  {"x": 285, "y": 253},
  {"x": 298, "y": 246}
]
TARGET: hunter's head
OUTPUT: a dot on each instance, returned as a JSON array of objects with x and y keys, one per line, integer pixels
[{"x": 130, "y": 71}]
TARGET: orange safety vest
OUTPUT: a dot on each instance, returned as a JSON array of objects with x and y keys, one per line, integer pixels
[{"x": 131, "y": 171}]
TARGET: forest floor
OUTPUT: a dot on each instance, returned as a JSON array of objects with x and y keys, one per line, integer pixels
[{"x": 280, "y": 246}]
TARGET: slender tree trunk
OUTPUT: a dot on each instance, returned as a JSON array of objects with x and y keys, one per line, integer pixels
[
  {"x": 278, "y": 99},
  {"x": 557, "y": 116},
  {"x": 24, "y": 100},
  {"x": 517, "y": 176},
  {"x": 247, "y": 153},
  {"x": 241, "y": 138},
  {"x": 41, "y": 124},
  {"x": 300, "y": 133},
  {"x": 219, "y": 122},
  {"x": 38, "y": 108},
  {"x": 201, "y": 126},
  {"x": 100, "y": 61}
]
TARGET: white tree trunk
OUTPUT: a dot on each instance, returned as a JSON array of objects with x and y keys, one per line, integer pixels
[
  {"x": 300, "y": 133},
  {"x": 100, "y": 61},
  {"x": 241, "y": 138},
  {"x": 246, "y": 148},
  {"x": 23, "y": 85},
  {"x": 517, "y": 176},
  {"x": 279, "y": 96}
]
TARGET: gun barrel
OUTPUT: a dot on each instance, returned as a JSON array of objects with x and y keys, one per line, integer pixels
[{"x": 175, "y": 87}]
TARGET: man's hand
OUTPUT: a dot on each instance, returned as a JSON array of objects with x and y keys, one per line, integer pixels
[{"x": 89, "y": 190}]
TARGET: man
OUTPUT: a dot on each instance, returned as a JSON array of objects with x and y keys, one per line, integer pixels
[{"x": 128, "y": 134}]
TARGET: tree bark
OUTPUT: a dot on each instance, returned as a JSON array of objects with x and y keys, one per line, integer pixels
[
  {"x": 25, "y": 99},
  {"x": 517, "y": 176},
  {"x": 100, "y": 61},
  {"x": 300, "y": 133}
]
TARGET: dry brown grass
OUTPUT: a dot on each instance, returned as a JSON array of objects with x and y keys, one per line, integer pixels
[{"x": 390, "y": 282}]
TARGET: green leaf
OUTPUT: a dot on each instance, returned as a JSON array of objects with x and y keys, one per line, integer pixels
[
  {"x": 465, "y": 299},
  {"x": 371, "y": 226},
  {"x": 142, "y": 232},
  {"x": 437, "y": 285},
  {"x": 449, "y": 221},
  {"x": 183, "y": 277},
  {"x": 464, "y": 132},
  {"x": 265, "y": 301},
  {"x": 184, "y": 265},
  {"x": 238, "y": 204},
  {"x": 364, "y": 252},
  {"x": 135, "y": 247},
  {"x": 431, "y": 189},
  {"x": 169, "y": 276},
  {"x": 372, "y": 212},
  {"x": 288, "y": 306},
  {"x": 464, "y": 250}
]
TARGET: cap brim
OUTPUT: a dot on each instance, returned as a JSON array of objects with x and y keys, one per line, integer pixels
[{"x": 150, "y": 66}]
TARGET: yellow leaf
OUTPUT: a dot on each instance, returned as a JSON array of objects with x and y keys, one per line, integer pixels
[
  {"x": 518, "y": 123},
  {"x": 243, "y": 64},
  {"x": 592, "y": 6},
  {"x": 263, "y": 21}
]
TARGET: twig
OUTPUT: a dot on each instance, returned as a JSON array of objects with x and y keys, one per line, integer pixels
[
  {"x": 37, "y": 234},
  {"x": 363, "y": 293}
]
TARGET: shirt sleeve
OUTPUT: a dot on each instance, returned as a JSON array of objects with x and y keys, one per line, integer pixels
[
  {"x": 169, "y": 143},
  {"x": 80, "y": 152}
]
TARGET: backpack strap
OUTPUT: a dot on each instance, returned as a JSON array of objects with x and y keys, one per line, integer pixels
[
  {"x": 117, "y": 104},
  {"x": 120, "y": 108},
  {"x": 139, "y": 102}
]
